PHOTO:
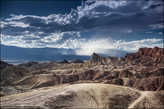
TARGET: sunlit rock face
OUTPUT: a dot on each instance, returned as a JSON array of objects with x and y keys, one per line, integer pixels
[{"x": 156, "y": 54}]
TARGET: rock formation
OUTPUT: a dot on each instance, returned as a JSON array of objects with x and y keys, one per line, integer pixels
[
  {"x": 100, "y": 60},
  {"x": 156, "y": 54},
  {"x": 91, "y": 95},
  {"x": 77, "y": 61},
  {"x": 143, "y": 70},
  {"x": 4, "y": 65}
]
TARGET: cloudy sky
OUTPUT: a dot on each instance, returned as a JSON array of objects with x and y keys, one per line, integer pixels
[{"x": 86, "y": 27}]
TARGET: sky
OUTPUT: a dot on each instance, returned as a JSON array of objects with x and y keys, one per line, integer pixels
[{"x": 85, "y": 27}]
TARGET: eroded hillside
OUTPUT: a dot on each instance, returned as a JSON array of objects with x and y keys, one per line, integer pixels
[
  {"x": 84, "y": 96},
  {"x": 143, "y": 71}
]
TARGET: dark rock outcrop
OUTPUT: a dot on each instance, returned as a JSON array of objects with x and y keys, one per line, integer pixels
[
  {"x": 64, "y": 61},
  {"x": 77, "y": 61},
  {"x": 4, "y": 65},
  {"x": 98, "y": 60}
]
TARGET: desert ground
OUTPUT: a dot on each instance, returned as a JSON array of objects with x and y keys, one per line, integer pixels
[{"x": 133, "y": 81}]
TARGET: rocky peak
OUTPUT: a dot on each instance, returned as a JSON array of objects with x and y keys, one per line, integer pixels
[
  {"x": 156, "y": 54},
  {"x": 97, "y": 59},
  {"x": 153, "y": 52}
]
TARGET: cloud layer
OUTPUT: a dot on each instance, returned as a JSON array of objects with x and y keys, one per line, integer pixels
[{"x": 95, "y": 26}]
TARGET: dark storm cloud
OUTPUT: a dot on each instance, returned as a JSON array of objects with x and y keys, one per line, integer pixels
[{"x": 132, "y": 13}]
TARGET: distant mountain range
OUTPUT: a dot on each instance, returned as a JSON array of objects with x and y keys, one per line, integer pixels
[
  {"x": 38, "y": 54},
  {"x": 10, "y": 53}
]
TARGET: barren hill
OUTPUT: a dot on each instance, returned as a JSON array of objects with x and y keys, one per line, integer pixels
[{"x": 91, "y": 95}]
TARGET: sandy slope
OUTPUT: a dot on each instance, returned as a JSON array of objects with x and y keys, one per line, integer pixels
[{"x": 90, "y": 95}]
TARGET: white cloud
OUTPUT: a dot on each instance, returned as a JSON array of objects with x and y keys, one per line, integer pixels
[
  {"x": 149, "y": 3},
  {"x": 160, "y": 33},
  {"x": 94, "y": 45},
  {"x": 61, "y": 19},
  {"x": 73, "y": 17},
  {"x": 52, "y": 38},
  {"x": 3, "y": 24},
  {"x": 15, "y": 17},
  {"x": 14, "y": 24},
  {"x": 26, "y": 40},
  {"x": 135, "y": 45},
  {"x": 129, "y": 31},
  {"x": 18, "y": 24},
  {"x": 26, "y": 32},
  {"x": 81, "y": 45},
  {"x": 88, "y": 9},
  {"x": 100, "y": 46},
  {"x": 157, "y": 26},
  {"x": 34, "y": 40}
]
